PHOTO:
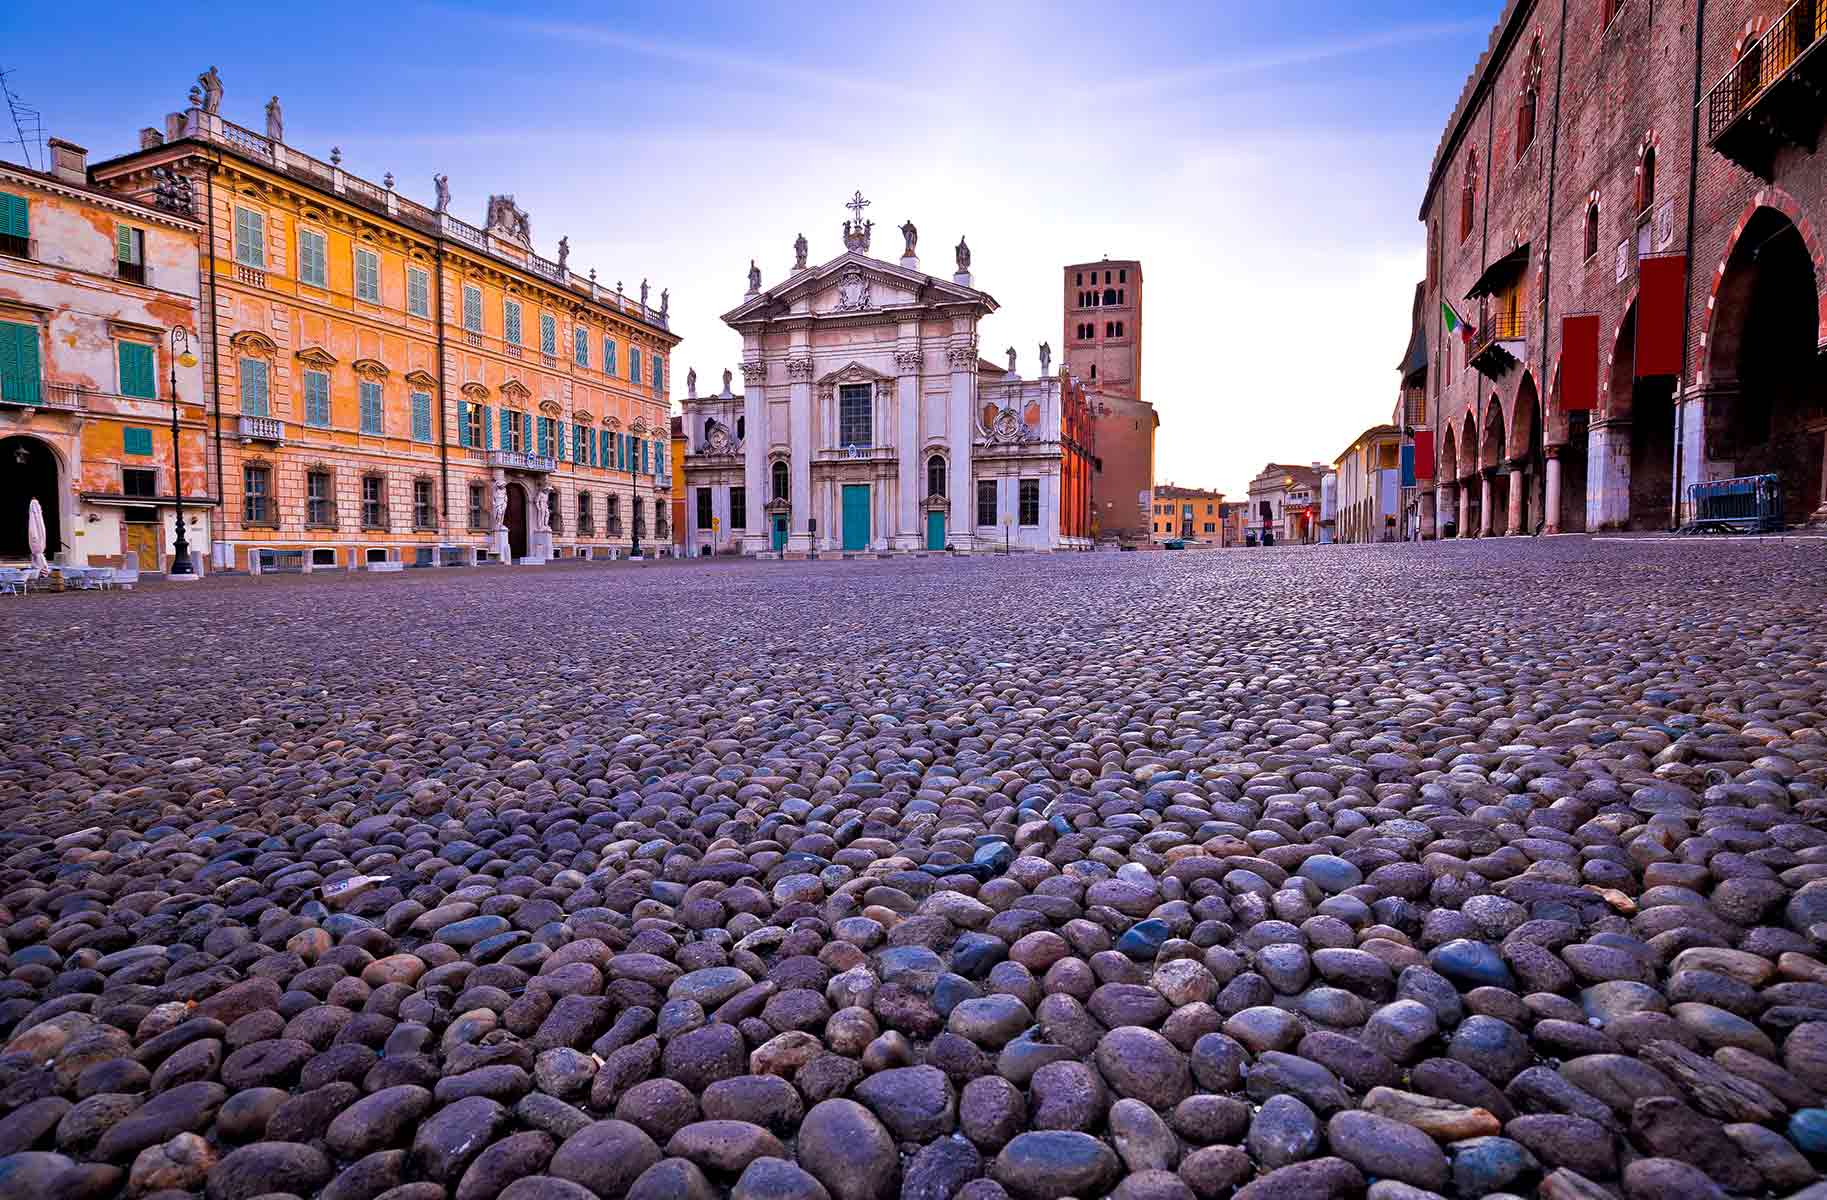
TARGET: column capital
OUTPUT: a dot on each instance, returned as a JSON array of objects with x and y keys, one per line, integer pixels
[
  {"x": 907, "y": 362},
  {"x": 962, "y": 354},
  {"x": 799, "y": 370},
  {"x": 754, "y": 371},
  {"x": 1552, "y": 450}
]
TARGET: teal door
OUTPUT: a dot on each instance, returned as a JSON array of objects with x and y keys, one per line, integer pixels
[
  {"x": 856, "y": 516},
  {"x": 935, "y": 530},
  {"x": 780, "y": 531}
]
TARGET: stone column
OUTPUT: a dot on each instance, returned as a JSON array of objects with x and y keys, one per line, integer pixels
[
  {"x": 1819, "y": 516},
  {"x": 1486, "y": 519},
  {"x": 755, "y": 439},
  {"x": 961, "y": 430},
  {"x": 1426, "y": 507},
  {"x": 1465, "y": 508},
  {"x": 1552, "y": 517},
  {"x": 911, "y": 489},
  {"x": 1608, "y": 474},
  {"x": 1513, "y": 523},
  {"x": 799, "y": 439}
]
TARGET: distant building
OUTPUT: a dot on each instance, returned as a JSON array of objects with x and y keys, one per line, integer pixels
[
  {"x": 1284, "y": 503},
  {"x": 1103, "y": 339},
  {"x": 1187, "y": 514},
  {"x": 676, "y": 449},
  {"x": 1369, "y": 492}
]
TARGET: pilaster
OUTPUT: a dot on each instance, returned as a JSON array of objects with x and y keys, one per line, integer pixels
[
  {"x": 911, "y": 478},
  {"x": 799, "y": 467},
  {"x": 961, "y": 357}
]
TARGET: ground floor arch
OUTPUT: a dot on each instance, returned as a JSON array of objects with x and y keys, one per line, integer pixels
[
  {"x": 29, "y": 469},
  {"x": 516, "y": 520}
]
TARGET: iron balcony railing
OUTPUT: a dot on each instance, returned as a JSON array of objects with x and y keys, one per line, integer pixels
[
  {"x": 1495, "y": 326},
  {"x": 1797, "y": 32}
]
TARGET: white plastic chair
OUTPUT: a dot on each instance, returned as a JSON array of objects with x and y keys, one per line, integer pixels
[
  {"x": 12, "y": 581},
  {"x": 127, "y": 574}
]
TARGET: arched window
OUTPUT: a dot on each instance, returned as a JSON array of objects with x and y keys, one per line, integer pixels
[
  {"x": 779, "y": 479},
  {"x": 1525, "y": 111},
  {"x": 1646, "y": 181},
  {"x": 935, "y": 475},
  {"x": 741, "y": 428},
  {"x": 1110, "y": 296},
  {"x": 1468, "y": 194},
  {"x": 1094, "y": 372},
  {"x": 1592, "y": 229},
  {"x": 709, "y": 424}
]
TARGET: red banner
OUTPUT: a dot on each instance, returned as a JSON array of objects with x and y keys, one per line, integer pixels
[
  {"x": 1424, "y": 454},
  {"x": 1659, "y": 301},
  {"x": 1580, "y": 363}
]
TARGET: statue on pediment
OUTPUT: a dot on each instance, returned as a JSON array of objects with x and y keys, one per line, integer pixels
[
  {"x": 754, "y": 276},
  {"x": 964, "y": 255},
  {"x": 912, "y": 236},
  {"x": 275, "y": 121},
  {"x": 1046, "y": 359},
  {"x": 211, "y": 83},
  {"x": 799, "y": 253},
  {"x": 442, "y": 184}
]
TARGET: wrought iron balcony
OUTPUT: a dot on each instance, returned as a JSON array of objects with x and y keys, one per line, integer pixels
[
  {"x": 1497, "y": 342},
  {"x": 1774, "y": 94},
  {"x": 520, "y": 460},
  {"x": 262, "y": 429}
]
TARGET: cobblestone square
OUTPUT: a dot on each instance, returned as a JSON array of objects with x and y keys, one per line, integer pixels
[{"x": 1452, "y": 869}]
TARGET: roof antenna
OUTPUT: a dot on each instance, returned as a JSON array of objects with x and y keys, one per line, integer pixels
[{"x": 28, "y": 125}]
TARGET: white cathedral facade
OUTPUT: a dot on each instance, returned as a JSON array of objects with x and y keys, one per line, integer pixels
[{"x": 867, "y": 423}]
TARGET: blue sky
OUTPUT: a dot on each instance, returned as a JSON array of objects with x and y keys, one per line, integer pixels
[{"x": 1265, "y": 168}]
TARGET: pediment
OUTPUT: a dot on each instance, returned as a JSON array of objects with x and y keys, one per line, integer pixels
[
  {"x": 254, "y": 343},
  {"x": 370, "y": 368},
  {"x": 513, "y": 387},
  {"x": 475, "y": 391},
  {"x": 423, "y": 379},
  {"x": 854, "y": 372},
  {"x": 316, "y": 356},
  {"x": 854, "y": 282}
]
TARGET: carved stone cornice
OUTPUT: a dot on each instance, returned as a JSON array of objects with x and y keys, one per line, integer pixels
[
  {"x": 370, "y": 368},
  {"x": 754, "y": 372},
  {"x": 422, "y": 379},
  {"x": 908, "y": 362},
  {"x": 799, "y": 370},
  {"x": 316, "y": 356},
  {"x": 474, "y": 391},
  {"x": 253, "y": 343},
  {"x": 515, "y": 388},
  {"x": 550, "y": 408},
  {"x": 962, "y": 354}
]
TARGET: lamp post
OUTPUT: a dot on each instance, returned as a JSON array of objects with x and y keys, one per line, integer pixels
[
  {"x": 180, "y": 551},
  {"x": 634, "y": 502}
]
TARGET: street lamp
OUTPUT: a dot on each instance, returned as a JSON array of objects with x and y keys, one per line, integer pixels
[
  {"x": 634, "y": 494},
  {"x": 180, "y": 557}
]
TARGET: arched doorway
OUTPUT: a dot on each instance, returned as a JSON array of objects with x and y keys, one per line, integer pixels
[
  {"x": 1648, "y": 405},
  {"x": 1526, "y": 447},
  {"x": 517, "y": 520},
  {"x": 1491, "y": 460},
  {"x": 1446, "y": 493},
  {"x": 1470, "y": 497},
  {"x": 1766, "y": 409},
  {"x": 28, "y": 468},
  {"x": 1571, "y": 452}
]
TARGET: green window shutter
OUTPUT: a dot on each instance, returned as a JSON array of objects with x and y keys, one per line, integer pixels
[
  {"x": 472, "y": 308},
  {"x": 418, "y": 293},
  {"x": 462, "y": 422},
  {"x": 421, "y": 416},
  {"x": 548, "y": 334},
  {"x": 580, "y": 344},
  {"x": 609, "y": 367},
  {"x": 250, "y": 238},
  {"x": 14, "y": 218},
  {"x": 559, "y": 442},
  {"x": 136, "y": 364},
  {"x": 634, "y": 365},
  {"x": 135, "y": 440},
  {"x": 317, "y": 399},
  {"x": 312, "y": 260},
  {"x": 510, "y": 322},
  {"x": 123, "y": 244},
  {"x": 488, "y": 426},
  {"x": 372, "y": 421},
  {"x": 253, "y": 372},
  {"x": 368, "y": 276}
]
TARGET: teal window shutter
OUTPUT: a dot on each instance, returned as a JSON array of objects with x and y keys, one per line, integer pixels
[
  {"x": 510, "y": 322},
  {"x": 590, "y": 442},
  {"x": 254, "y": 394},
  {"x": 559, "y": 442},
  {"x": 15, "y": 218},
  {"x": 462, "y": 422},
  {"x": 421, "y": 416},
  {"x": 135, "y": 440},
  {"x": 609, "y": 367},
  {"x": 580, "y": 343},
  {"x": 472, "y": 309},
  {"x": 373, "y": 420},
  {"x": 136, "y": 364},
  {"x": 659, "y": 373},
  {"x": 634, "y": 365},
  {"x": 317, "y": 399},
  {"x": 488, "y": 427},
  {"x": 548, "y": 333},
  {"x": 19, "y": 363},
  {"x": 367, "y": 276}
]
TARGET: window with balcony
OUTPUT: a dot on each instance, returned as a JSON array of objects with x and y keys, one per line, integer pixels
[
  {"x": 986, "y": 502},
  {"x": 256, "y": 400},
  {"x": 320, "y": 498},
  {"x": 855, "y": 415},
  {"x": 139, "y": 375},
  {"x": 373, "y": 412},
  {"x": 250, "y": 238},
  {"x": 580, "y": 345},
  {"x": 317, "y": 399},
  {"x": 424, "y": 504},
  {"x": 139, "y": 482},
  {"x": 739, "y": 507},
  {"x": 418, "y": 292},
  {"x": 15, "y": 226},
  {"x": 548, "y": 334},
  {"x": 313, "y": 260},
  {"x": 257, "y": 494},
  {"x": 367, "y": 276},
  {"x": 510, "y": 322},
  {"x": 374, "y": 502},
  {"x": 130, "y": 254},
  {"x": 472, "y": 309}
]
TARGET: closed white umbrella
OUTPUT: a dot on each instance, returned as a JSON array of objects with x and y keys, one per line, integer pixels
[{"x": 34, "y": 533}]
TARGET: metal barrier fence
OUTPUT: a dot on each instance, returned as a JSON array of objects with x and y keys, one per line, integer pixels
[{"x": 1742, "y": 504}]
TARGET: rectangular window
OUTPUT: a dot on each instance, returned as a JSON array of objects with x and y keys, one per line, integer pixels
[
  {"x": 548, "y": 333},
  {"x": 659, "y": 374},
  {"x": 986, "y": 502},
  {"x": 418, "y": 292},
  {"x": 256, "y": 498},
  {"x": 580, "y": 345},
  {"x": 704, "y": 508},
  {"x": 255, "y": 396},
  {"x": 138, "y": 375},
  {"x": 634, "y": 364},
  {"x": 15, "y": 225},
  {"x": 855, "y": 415},
  {"x": 469, "y": 432},
  {"x": 373, "y": 420},
  {"x": 609, "y": 367},
  {"x": 317, "y": 399},
  {"x": 577, "y": 444},
  {"x": 19, "y": 363},
  {"x": 424, "y": 511},
  {"x": 1030, "y": 502},
  {"x": 313, "y": 259},
  {"x": 135, "y": 440},
  {"x": 739, "y": 508},
  {"x": 250, "y": 238},
  {"x": 472, "y": 309},
  {"x": 130, "y": 253},
  {"x": 475, "y": 505},
  {"x": 374, "y": 502},
  {"x": 510, "y": 322},
  {"x": 319, "y": 504},
  {"x": 421, "y": 416},
  {"x": 139, "y": 482},
  {"x": 367, "y": 276}
]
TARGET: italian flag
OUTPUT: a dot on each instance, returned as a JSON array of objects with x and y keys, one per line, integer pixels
[{"x": 1454, "y": 321}]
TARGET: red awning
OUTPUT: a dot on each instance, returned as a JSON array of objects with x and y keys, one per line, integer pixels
[
  {"x": 1580, "y": 363},
  {"x": 1662, "y": 281}
]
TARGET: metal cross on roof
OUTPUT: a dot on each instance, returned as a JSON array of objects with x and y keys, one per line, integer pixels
[{"x": 857, "y": 205}]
